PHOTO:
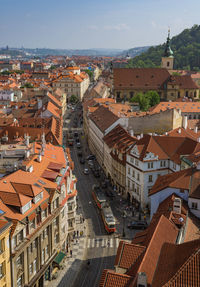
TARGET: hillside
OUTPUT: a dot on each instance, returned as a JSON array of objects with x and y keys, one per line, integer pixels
[{"x": 186, "y": 48}]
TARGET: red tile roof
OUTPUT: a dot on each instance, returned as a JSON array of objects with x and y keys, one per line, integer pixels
[
  {"x": 127, "y": 254},
  {"x": 103, "y": 118},
  {"x": 111, "y": 279},
  {"x": 140, "y": 78},
  {"x": 179, "y": 180},
  {"x": 185, "y": 107},
  {"x": 178, "y": 265}
]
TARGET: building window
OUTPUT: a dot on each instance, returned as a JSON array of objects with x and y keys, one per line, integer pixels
[
  {"x": 136, "y": 162},
  {"x": 138, "y": 177},
  {"x": 47, "y": 251},
  {"x": 128, "y": 183},
  {"x": 167, "y": 64},
  {"x": 2, "y": 245},
  {"x": 34, "y": 266},
  {"x": 133, "y": 173},
  {"x": 2, "y": 269},
  {"x": 19, "y": 282},
  {"x": 150, "y": 178},
  {"x": 150, "y": 164},
  {"x": 31, "y": 269},
  {"x": 19, "y": 260},
  {"x": 34, "y": 244},
  {"x": 194, "y": 205},
  {"x": 44, "y": 214},
  {"x": 174, "y": 165},
  {"x": 129, "y": 170},
  {"x": 42, "y": 256},
  {"x": 162, "y": 163}
]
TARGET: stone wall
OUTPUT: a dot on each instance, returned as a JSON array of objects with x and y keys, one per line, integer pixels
[{"x": 155, "y": 123}]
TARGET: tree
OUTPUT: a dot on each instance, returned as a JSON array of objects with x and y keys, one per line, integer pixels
[
  {"x": 154, "y": 98},
  {"x": 143, "y": 101},
  {"x": 147, "y": 100},
  {"x": 90, "y": 74},
  {"x": 73, "y": 99},
  {"x": 27, "y": 85}
]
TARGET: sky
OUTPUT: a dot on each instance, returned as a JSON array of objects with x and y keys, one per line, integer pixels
[{"x": 85, "y": 24}]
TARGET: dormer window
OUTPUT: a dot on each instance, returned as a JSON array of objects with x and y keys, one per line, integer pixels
[
  {"x": 38, "y": 197},
  {"x": 26, "y": 207}
]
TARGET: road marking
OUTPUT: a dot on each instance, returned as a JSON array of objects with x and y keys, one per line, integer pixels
[{"x": 102, "y": 242}]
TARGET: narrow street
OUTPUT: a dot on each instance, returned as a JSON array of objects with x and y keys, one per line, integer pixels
[{"x": 101, "y": 247}]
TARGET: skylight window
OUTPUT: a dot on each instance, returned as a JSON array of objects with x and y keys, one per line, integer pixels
[{"x": 41, "y": 181}]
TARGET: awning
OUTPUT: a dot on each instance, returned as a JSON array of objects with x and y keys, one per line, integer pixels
[{"x": 58, "y": 259}]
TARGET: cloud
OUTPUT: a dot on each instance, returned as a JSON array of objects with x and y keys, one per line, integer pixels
[
  {"x": 117, "y": 27},
  {"x": 93, "y": 27}
]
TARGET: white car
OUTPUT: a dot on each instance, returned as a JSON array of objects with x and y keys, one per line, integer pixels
[{"x": 86, "y": 171}]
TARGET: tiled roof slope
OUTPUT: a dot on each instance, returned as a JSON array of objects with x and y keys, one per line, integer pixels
[
  {"x": 137, "y": 78},
  {"x": 178, "y": 265},
  {"x": 164, "y": 232},
  {"x": 119, "y": 137},
  {"x": 180, "y": 180},
  {"x": 127, "y": 254},
  {"x": 111, "y": 279},
  {"x": 184, "y": 82},
  {"x": 185, "y": 107},
  {"x": 103, "y": 118}
]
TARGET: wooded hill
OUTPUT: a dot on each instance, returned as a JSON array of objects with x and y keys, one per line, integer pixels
[{"x": 186, "y": 48}]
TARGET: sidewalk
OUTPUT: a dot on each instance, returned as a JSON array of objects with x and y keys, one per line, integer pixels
[{"x": 72, "y": 264}]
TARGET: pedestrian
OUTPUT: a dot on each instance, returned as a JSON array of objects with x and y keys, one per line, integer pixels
[
  {"x": 108, "y": 242},
  {"x": 81, "y": 233},
  {"x": 71, "y": 253},
  {"x": 77, "y": 233},
  {"x": 74, "y": 234},
  {"x": 83, "y": 219}
]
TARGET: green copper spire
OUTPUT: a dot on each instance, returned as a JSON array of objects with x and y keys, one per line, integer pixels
[{"x": 168, "y": 51}]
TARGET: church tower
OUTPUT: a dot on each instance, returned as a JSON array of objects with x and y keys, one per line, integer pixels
[{"x": 168, "y": 58}]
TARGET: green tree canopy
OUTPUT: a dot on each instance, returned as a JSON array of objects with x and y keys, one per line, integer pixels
[
  {"x": 73, "y": 99},
  {"x": 27, "y": 85},
  {"x": 90, "y": 74},
  {"x": 147, "y": 100}
]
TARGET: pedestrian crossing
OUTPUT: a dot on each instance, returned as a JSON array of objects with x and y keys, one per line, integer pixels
[{"x": 102, "y": 242}]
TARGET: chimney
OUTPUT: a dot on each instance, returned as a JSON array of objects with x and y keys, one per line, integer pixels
[
  {"x": 196, "y": 129},
  {"x": 198, "y": 140},
  {"x": 39, "y": 157},
  {"x": 179, "y": 130},
  {"x": 138, "y": 137},
  {"x": 185, "y": 122},
  {"x": 27, "y": 153},
  {"x": 177, "y": 205},
  {"x": 141, "y": 135},
  {"x": 142, "y": 279},
  {"x": 131, "y": 133}
]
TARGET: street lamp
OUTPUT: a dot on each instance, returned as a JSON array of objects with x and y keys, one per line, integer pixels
[{"x": 124, "y": 217}]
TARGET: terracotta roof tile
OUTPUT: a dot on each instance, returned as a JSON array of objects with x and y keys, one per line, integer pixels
[
  {"x": 103, "y": 118},
  {"x": 111, "y": 279}
]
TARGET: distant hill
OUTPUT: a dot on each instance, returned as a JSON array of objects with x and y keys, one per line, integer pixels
[
  {"x": 42, "y": 52},
  {"x": 135, "y": 51},
  {"x": 186, "y": 48}
]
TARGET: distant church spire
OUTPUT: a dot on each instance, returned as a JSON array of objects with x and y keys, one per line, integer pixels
[
  {"x": 168, "y": 51},
  {"x": 168, "y": 58}
]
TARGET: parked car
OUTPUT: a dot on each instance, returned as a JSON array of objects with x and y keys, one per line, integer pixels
[
  {"x": 91, "y": 157},
  {"x": 91, "y": 163},
  {"x": 137, "y": 225},
  {"x": 78, "y": 145},
  {"x": 86, "y": 171},
  {"x": 82, "y": 161}
]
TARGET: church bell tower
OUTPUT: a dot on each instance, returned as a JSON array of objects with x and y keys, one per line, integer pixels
[{"x": 168, "y": 58}]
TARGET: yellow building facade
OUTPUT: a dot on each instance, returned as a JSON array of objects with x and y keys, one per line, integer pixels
[{"x": 5, "y": 273}]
